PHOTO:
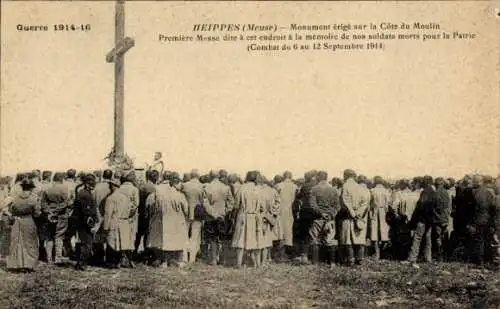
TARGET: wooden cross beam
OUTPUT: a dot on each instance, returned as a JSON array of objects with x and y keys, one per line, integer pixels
[{"x": 116, "y": 55}]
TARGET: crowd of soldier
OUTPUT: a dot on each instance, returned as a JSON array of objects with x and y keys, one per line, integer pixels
[{"x": 113, "y": 215}]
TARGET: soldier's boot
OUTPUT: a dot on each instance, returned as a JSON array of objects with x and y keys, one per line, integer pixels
[
  {"x": 349, "y": 255},
  {"x": 282, "y": 257},
  {"x": 360, "y": 254},
  {"x": 315, "y": 254},
  {"x": 495, "y": 248},
  {"x": 80, "y": 266},
  {"x": 49, "y": 246},
  {"x": 99, "y": 254},
  {"x": 179, "y": 262},
  {"x": 439, "y": 254},
  {"x": 130, "y": 256},
  {"x": 68, "y": 248},
  {"x": 332, "y": 251},
  {"x": 304, "y": 254},
  {"x": 125, "y": 259}
]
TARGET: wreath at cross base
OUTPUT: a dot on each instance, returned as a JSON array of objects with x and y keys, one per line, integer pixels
[{"x": 119, "y": 162}]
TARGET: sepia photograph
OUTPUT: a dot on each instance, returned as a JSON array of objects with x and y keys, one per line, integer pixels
[{"x": 249, "y": 154}]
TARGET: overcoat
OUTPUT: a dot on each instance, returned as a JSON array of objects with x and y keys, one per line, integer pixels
[
  {"x": 248, "y": 230},
  {"x": 484, "y": 202},
  {"x": 143, "y": 220},
  {"x": 23, "y": 249},
  {"x": 219, "y": 198},
  {"x": 271, "y": 215},
  {"x": 101, "y": 192},
  {"x": 118, "y": 223},
  {"x": 287, "y": 191},
  {"x": 168, "y": 210},
  {"x": 132, "y": 193},
  {"x": 377, "y": 223},
  {"x": 354, "y": 201}
]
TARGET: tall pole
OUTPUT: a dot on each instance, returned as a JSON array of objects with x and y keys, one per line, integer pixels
[{"x": 119, "y": 80}]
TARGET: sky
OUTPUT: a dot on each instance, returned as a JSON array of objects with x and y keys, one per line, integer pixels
[{"x": 415, "y": 108}]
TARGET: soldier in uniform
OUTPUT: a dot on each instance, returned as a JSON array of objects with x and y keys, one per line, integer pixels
[
  {"x": 361, "y": 222},
  {"x": 305, "y": 216},
  {"x": 248, "y": 234},
  {"x": 119, "y": 226},
  {"x": 440, "y": 217},
  {"x": 129, "y": 189},
  {"x": 378, "y": 226},
  {"x": 462, "y": 206},
  {"x": 55, "y": 209},
  {"x": 402, "y": 207},
  {"x": 448, "y": 234},
  {"x": 70, "y": 229},
  {"x": 270, "y": 218},
  {"x": 87, "y": 219},
  {"x": 193, "y": 192},
  {"x": 495, "y": 228},
  {"x": 287, "y": 191},
  {"x": 482, "y": 208},
  {"x": 168, "y": 209},
  {"x": 353, "y": 217},
  {"x": 325, "y": 204},
  {"x": 218, "y": 204},
  {"x": 102, "y": 190},
  {"x": 421, "y": 223},
  {"x": 142, "y": 229}
]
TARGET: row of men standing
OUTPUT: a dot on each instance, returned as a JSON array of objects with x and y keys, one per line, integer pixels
[
  {"x": 71, "y": 207},
  {"x": 171, "y": 217},
  {"x": 258, "y": 215},
  {"x": 212, "y": 211}
]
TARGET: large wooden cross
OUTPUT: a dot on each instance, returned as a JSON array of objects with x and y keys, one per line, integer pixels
[{"x": 116, "y": 56}]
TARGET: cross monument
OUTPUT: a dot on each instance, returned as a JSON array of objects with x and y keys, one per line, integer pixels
[{"x": 116, "y": 56}]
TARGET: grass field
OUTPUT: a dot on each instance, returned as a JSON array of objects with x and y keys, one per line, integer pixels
[{"x": 383, "y": 284}]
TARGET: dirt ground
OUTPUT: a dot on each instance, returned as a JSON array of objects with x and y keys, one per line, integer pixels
[{"x": 383, "y": 284}]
